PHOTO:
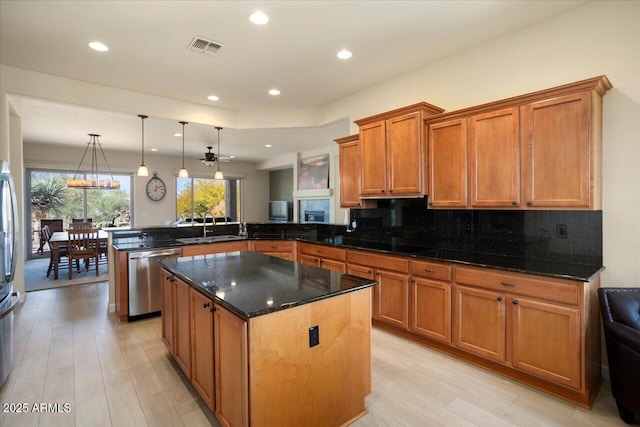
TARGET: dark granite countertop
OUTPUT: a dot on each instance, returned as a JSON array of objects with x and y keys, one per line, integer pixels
[
  {"x": 561, "y": 270},
  {"x": 252, "y": 284}
]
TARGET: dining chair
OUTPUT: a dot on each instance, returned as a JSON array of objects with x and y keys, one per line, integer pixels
[
  {"x": 79, "y": 225},
  {"x": 63, "y": 255},
  {"x": 83, "y": 244}
]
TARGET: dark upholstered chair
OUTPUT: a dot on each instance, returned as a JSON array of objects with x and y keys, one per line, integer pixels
[{"x": 620, "y": 309}]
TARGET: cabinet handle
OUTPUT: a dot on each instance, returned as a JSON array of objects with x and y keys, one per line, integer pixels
[
  {"x": 514, "y": 203},
  {"x": 318, "y": 251},
  {"x": 274, "y": 247},
  {"x": 205, "y": 305},
  {"x": 529, "y": 203},
  {"x": 391, "y": 191},
  {"x": 515, "y": 302},
  {"x": 499, "y": 299},
  {"x": 413, "y": 281},
  {"x": 358, "y": 204},
  {"x": 511, "y": 285},
  {"x": 430, "y": 203},
  {"x": 369, "y": 271},
  {"x": 428, "y": 270},
  {"x": 212, "y": 309},
  {"x": 382, "y": 191}
]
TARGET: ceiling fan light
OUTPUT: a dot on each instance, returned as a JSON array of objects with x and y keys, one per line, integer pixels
[
  {"x": 218, "y": 175},
  {"x": 183, "y": 173},
  {"x": 143, "y": 171}
]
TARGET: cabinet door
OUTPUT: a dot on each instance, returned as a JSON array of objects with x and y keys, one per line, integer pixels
[
  {"x": 231, "y": 368},
  {"x": 448, "y": 164},
  {"x": 431, "y": 309},
  {"x": 309, "y": 260},
  {"x": 393, "y": 298},
  {"x": 330, "y": 264},
  {"x": 168, "y": 292},
  {"x": 557, "y": 155},
  {"x": 366, "y": 273},
  {"x": 202, "y": 347},
  {"x": 494, "y": 159},
  {"x": 350, "y": 174},
  {"x": 404, "y": 155},
  {"x": 182, "y": 328},
  {"x": 374, "y": 161},
  {"x": 546, "y": 340},
  {"x": 479, "y": 324}
]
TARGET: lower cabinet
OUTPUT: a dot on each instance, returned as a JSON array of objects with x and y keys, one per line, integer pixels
[
  {"x": 182, "y": 326},
  {"x": 284, "y": 249},
  {"x": 530, "y": 324},
  {"x": 202, "y": 360},
  {"x": 322, "y": 256},
  {"x": 215, "y": 248},
  {"x": 430, "y": 311},
  {"x": 391, "y": 295},
  {"x": 168, "y": 309}
]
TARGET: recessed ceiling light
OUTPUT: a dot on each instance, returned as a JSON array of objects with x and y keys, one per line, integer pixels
[
  {"x": 232, "y": 157},
  {"x": 177, "y": 134},
  {"x": 274, "y": 92},
  {"x": 154, "y": 149},
  {"x": 344, "y": 54},
  {"x": 98, "y": 46},
  {"x": 259, "y": 18},
  {"x": 268, "y": 145},
  {"x": 213, "y": 98}
]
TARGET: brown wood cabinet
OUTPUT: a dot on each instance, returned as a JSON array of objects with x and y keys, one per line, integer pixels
[
  {"x": 494, "y": 159},
  {"x": 285, "y": 249},
  {"x": 182, "y": 326},
  {"x": 430, "y": 311},
  {"x": 322, "y": 256},
  {"x": 350, "y": 171},
  {"x": 202, "y": 361},
  {"x": 541, "y": 150},
  {"x": 532, "y": 324},
  {"x": 231, "y": 368},
  {"x": 448, "y": 163},
  {"x": 168, "y": 309},
  {"x": 393, "y": 151},
  {"x": 391, "y": 295},
  {"x": 215, "y": 248}
]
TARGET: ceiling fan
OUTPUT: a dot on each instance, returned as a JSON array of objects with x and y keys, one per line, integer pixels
[{"x": 210, "y": 158}]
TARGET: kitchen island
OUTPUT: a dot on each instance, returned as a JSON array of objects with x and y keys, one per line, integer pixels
[{"x": 266, "y": 341}]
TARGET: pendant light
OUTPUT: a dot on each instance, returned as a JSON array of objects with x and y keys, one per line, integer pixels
[
  {"x": 183, "y": 172},
  {"x": 142, "y": 170},
  {"x": 94, "y": 181},
  {"x": 218, "y": 174}
]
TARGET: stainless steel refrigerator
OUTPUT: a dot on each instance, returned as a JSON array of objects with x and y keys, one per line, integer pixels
[{"x": 8, "y": 244}]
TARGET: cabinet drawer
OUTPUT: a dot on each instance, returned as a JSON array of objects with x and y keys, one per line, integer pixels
[
  {"x": 380, "y": 262},
  {"x": 323, "y": 251},
  {"x": 273, "y": 246},
  {"x": 563, "y": 291},
  {"x": 431, "y": 270}
]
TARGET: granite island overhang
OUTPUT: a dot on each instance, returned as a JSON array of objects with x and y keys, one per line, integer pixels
[{"x": 289, "y": 343}]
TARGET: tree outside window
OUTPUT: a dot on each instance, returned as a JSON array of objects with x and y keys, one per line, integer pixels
[{"x": 197, "y": 196}]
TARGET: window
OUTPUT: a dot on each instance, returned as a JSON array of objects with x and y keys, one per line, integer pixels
[
  {"x": 51, "y": 199},
  {"x": 197, "y": 196}
]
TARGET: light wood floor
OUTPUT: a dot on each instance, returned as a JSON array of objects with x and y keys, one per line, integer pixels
[{"x": 69, "y": 350}]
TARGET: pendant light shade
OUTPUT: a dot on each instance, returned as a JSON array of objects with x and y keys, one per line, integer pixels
[
  {"x": 218, "y": 174},
  {"x": 184, "y": 173},
  {"x": 142, "y": 169}
]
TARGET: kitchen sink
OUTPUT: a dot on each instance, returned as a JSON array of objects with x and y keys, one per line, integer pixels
[{"x": 209, "y": 239}]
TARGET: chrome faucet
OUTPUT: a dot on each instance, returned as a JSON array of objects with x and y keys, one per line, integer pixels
[{"x": 204, "y": 222}]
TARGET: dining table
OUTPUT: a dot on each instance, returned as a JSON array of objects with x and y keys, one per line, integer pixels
[{"x": 61, "y": 239}]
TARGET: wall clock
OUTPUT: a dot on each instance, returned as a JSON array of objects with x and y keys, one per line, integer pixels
[{"x": 156, "y": 188}]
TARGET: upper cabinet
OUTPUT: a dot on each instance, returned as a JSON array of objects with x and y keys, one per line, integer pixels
[
  {"x": 350, "y": 170},
  {"x": 537, "y": 151},
  {"x": 393, "y": 152}
]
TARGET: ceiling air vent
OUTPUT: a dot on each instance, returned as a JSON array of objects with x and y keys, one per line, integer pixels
[{"x": 202, "y": 45}]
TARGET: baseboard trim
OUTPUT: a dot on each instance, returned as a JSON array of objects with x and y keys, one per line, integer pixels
[{"x": 112, "y": 308}]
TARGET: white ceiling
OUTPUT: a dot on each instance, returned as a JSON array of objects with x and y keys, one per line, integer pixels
[{"x": 295, "y": 52}]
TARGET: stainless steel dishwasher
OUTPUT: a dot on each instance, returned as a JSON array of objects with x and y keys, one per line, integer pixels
[{"x": 145, "y": 293}]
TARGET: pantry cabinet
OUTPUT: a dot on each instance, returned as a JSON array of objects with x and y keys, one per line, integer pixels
[{"x": 393, "y": 152}]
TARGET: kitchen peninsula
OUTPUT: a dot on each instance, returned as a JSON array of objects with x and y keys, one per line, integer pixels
[{"x": 266, "y": 341}]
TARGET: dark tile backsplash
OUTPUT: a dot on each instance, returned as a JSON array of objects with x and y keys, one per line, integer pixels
[{"x": 563, "y": 236}]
